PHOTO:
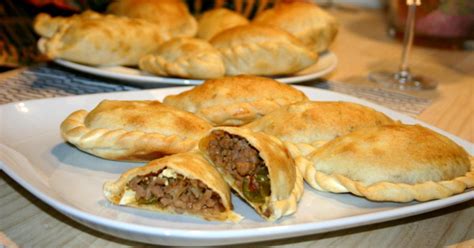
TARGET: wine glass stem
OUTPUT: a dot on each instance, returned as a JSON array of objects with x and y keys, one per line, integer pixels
[{"x": 408, "y": 38}]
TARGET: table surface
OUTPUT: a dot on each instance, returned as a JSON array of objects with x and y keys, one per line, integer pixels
[{"x": 362, "y": 45}]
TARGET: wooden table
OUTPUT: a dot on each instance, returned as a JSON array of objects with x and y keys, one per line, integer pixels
[{"x": 362, "y": 45}]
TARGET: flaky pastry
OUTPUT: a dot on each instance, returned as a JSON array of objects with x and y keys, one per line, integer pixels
[
  {"x": 262, "y": 50},
  {"x": 393, "y": 162},
  {"x": 258, "y": 167},
  {"x": 183, "y": 183},
  {"x": 306, "y": 21},
  {"x": 235, "y": 100},
  {"x": 216, "y": 20},
  {"x": 186, "y": 58},
  {"x": 96, "y": 39},
  {"x": 133, "y": 130},
  {"x": 171, "y": 15},
  {"x": 310, "y": 124}
]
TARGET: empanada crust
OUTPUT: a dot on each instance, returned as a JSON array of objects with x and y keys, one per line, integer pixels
[
  {"x": 262, "y": 50},
  {"x": 191, "y": 165},
  {"x": 235, "y": 100},
  {"x": 394, "y": 162},
  {"x": 306, "y": 21},
  {"x": 217, "y": 20},
  {"x": 186, "y": 58},
  {"x": 286, "y": 181},
  {"x": 133, "y": 130}
]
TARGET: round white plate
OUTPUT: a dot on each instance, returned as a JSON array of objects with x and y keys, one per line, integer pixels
[
  {"x": 33, "y": 153},
  {"x": 327, "y": 62}
]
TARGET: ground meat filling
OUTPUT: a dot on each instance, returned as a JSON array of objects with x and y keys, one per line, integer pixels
[
  {"x": 241, "y": 160},
  {"x": 180, "y": 193}
]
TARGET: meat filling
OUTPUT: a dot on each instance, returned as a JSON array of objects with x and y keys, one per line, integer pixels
[
  {"x": 242, "y": 161},
  {"x": 176, "y": 192}
]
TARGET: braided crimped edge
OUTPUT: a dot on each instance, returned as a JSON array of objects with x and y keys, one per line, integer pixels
[
  {"x": 120, "y": 144},
  {"x": 382, "y": 191}
]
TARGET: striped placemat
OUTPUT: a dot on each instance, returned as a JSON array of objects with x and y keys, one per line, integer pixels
[{"x": 50, "y": 80}]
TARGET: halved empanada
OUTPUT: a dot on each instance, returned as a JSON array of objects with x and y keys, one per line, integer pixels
[
  {"x": 235, "y": 100},
  {"x": 258, "y": 167},
  {"x": 133, "y": 130},
  {"x": 308, "y": 125},
  {"x": 214, "y": 21},
  {"x": 96, "y": 39},
  {"x": 183, "y": 183},
  {"x": 394, "y": 162},
  {"x": 262, "y": 50},
  {"x": 306, "y": 21},
  {"x": 186, "y": 58}
]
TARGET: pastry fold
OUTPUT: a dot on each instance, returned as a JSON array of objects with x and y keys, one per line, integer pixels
[
  {"x": 171, "y": 15},
  {"x": 258, "y": 167},
  {"x": 183, "y": 183},
  {"x": 262, "y": 50},
  {"x": 235, "y": 100},
  {"x": 186, "y": 58},
  {"x": 308, "y": 125},
  {"x": 95, "y": 39},
  {"x": 312, "y": 25},
  {"x": 395, "y": 162},
  {"x": 216, "y": 20},
  {"x": 133, "y": 130}
]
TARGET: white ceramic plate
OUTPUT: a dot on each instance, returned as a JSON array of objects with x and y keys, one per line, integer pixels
[
  {"x": 327, "y": 63},
  {"x": 35, "y": 156}
]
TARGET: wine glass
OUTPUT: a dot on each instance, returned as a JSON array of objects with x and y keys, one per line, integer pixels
[{"x": 403, "y": 79}]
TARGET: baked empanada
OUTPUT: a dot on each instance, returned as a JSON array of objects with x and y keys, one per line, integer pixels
[
  {"x": 184, "y": 57},
  {"x": 235, "y": 100},
  {"x": 216, "y": 20},
  {"x": 133, "y": 130},
  {"x": 100, "y": 39},
  {"x": 183, "y": 183},
  {"x": 258, "y": 167},
  {"x": 171, "y": 15},
  {"x": 306, "y": 21},
  {"x": 394, "y": 162},
  {"x": 310, "y": 124},
  {"x": 47, "y": 26},
  {"x": 262, "y": 50}
]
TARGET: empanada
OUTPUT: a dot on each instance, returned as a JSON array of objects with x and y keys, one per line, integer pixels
[
  {"x": 258, "y": 167},
  {"x": 262, "y": 50},
  {"x": 133, "y": 130},
  {"x": 101, "y": 39},
  {"x": 235, "y": 100},
  {"x": 171, "y": 15},
  {"x": 306, "y": 21},
  {"x": 214, "y": 21},
  {"x": 47, "y": 26},
  {"x": 393, "y": 162},
  {"x": 310, "y": 124},
  {"x": 186, "y": 58},
  {"x": 183, "y": 183}
]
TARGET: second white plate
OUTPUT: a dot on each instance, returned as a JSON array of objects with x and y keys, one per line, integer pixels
[{"x": 327, "y": 63}]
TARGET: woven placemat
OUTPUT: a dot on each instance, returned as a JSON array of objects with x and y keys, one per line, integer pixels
[{"x": 49, "y": 80}]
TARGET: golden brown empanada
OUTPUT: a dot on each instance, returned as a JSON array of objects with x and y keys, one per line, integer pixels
[
  {"x": 258, "y": 167},
  {"x": 171, "y": 15},
  {"x": 100, "y": 39},
  {"x": 393, "y": 162},
  {"x": 214, "y": 21},
  {"x": 310, "y": 124},
  {"x": 306, "y": 21},
  {"x": 183, "y": 183},
  {"x": 133, "y": 130},
  {"x": 262, "y": 50},
  {"x": 47, "y": 26},
  {"x": 186, "y": 58},
  {"x": 235, "y": 100}
]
